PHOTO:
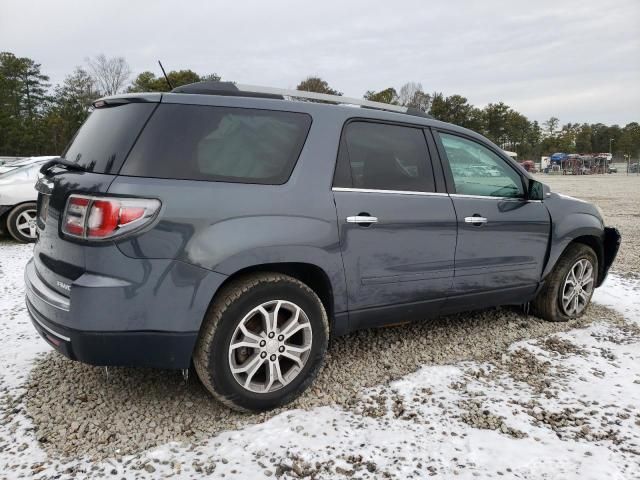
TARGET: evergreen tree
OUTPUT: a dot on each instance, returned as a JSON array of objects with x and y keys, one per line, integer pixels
[
  {"x": 23, "y": 99},
  {"x": 70, "y": 106},
  {"x": 317, "y": 85},
  {"x": 388, "y": 95},
  {"x": 148, "y": 82}
]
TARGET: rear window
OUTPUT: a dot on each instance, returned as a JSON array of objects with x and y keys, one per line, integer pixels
[
  {"x": 195, "y": 142},
  {"x": 385, "y": 157},
  {"x": 104, "y": 139}
]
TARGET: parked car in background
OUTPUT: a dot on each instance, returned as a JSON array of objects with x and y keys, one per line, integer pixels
[
  {"x": 23, "y": 162},
  {"x": 611, "y": 169},
  {"x": 18, "y": 198},
  {"x": 4, "y": 160},
  {"x": 529, "y": 166},
  {"x": 231, "y": 227}
]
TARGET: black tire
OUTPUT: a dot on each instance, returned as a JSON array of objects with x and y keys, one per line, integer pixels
[
  {"x": 211, "y": 356},
  {"x": 548, "y": 305},
  {"x": 14, "y": 222}
]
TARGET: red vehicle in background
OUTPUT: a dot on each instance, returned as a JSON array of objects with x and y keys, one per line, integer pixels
[{"x": 529, "y": 166}]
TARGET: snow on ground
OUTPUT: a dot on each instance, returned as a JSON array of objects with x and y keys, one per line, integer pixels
[
  {"x": 621, "y": 294},
  {"x": 566, "y": 406}
]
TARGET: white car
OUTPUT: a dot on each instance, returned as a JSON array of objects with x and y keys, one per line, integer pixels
[
  {"x": 18, "y": 198},
  {"x": 22, "y": 162}
]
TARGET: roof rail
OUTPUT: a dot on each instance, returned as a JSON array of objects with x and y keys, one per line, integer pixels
[{"x": 229, "y": 88}]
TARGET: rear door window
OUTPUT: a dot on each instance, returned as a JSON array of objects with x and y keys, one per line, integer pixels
[
  {"x": 384, "y": 157},
  {"x": 105, "y": 138},
  {"x": 197, "y": 142}
]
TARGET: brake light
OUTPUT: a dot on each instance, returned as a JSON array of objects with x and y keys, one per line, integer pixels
[
  {"x": 96, "y": 218},
  {"x": 75, "y": 215}
]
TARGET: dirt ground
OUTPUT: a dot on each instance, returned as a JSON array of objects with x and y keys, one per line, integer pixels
[{"x": 619, "y": 197}]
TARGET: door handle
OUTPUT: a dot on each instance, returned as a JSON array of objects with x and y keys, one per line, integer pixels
[
  {"x": 362, "y": 219},
  {"x": 475, "y": 220}
]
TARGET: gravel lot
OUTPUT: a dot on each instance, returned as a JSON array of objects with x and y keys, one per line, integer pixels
[{"x": 77, "y": 414}]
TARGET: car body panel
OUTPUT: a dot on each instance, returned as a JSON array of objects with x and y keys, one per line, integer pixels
[
  {"x": 23, "y": 162},
  {"x": 17, "y": 185},
  {"x": 571, "y": 218},
  {"x": 508, "y": 251},
  {"x": 407, "y": 257}
]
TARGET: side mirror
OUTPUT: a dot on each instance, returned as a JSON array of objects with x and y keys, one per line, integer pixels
[{"x": 537, "y": 190}]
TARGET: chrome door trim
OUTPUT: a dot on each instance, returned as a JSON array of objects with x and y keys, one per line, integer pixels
[
  {"x": 399, "y": 192},
  {"x": 475, "y": 220},
  {"x": 362, "y": 219}
]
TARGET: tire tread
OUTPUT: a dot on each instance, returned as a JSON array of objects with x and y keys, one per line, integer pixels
[
  {"x": 230, "y": 294},
  {"x": 545, "y": 304}
]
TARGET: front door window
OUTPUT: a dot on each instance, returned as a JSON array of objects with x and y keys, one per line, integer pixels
[{"x": 479, "y": 171}]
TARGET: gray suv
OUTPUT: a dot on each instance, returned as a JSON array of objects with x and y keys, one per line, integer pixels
[{"x": 240, "y": 228}]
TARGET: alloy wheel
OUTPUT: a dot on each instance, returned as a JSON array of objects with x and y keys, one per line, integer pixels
[
  {"x": 26, "y": 223},
  {"x": 270, "y": 346},
  {"x": 578, "y": 287}
]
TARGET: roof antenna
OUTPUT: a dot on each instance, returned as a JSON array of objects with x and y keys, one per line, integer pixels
[{"x": 165, "y": 75}]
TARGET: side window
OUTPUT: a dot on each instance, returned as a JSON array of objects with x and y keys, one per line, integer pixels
[
  {"x": 478, "y": 171},
  {"x": 384, "y": 157},
  {"x": 196, "y": 142}
]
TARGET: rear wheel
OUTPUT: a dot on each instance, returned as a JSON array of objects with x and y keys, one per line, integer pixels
[
  {"x": 262, "y": 343},
  {"x": 21, "y": 222},
  {"x": 568, "y": 290}
]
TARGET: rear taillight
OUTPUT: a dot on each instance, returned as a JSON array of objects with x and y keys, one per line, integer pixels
[{"x": 96, "y": 218}]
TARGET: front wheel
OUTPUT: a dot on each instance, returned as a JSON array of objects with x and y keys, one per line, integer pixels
[
  {"x": 569, "y": 288},
  {"x": 262, "y": 343},
  {"x": 21, "y": 222}
]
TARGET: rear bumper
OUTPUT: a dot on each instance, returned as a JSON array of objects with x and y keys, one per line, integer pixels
[
  {"x": 112, "y": 322},
  {"x": 124, "y": 349}
]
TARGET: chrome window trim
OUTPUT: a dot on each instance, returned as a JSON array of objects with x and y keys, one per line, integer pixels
[
  {"x": 430, "y": 194},
  {"x": 513, "y": 199},
  {"x": 398, "y": 192}
]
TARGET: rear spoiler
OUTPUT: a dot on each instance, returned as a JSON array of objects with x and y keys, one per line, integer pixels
[
  {"x": 60, "y": 162},
  {"x": 125, "y": 98}
]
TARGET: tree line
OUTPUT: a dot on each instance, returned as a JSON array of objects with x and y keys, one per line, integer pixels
[{"x": 37, "y": 118}]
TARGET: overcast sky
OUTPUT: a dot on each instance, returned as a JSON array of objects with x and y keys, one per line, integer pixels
[{"x": 577, "y": 60}]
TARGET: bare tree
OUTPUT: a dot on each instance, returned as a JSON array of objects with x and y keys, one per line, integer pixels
[
  {"x": 109, "y": 74},
  {"x": 412, "y": 95}
]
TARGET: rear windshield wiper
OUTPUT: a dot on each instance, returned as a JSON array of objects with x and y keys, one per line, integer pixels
[{"x": 61, "y": 162}]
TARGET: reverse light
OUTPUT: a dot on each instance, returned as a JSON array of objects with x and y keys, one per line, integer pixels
[{"x": 98, "y": 218}]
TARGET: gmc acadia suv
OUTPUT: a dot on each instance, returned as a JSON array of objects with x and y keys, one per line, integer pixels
[{"x": 236, "y": 228}]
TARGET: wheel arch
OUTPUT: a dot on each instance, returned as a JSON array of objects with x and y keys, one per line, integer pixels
[
  {"x": 592, "y": 240},
  {"x": 310, "y": 274},
  {"x": 11, "y": 208}
]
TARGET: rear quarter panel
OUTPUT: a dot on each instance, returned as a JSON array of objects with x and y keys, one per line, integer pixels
[{"x": 226, "y": 227}]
